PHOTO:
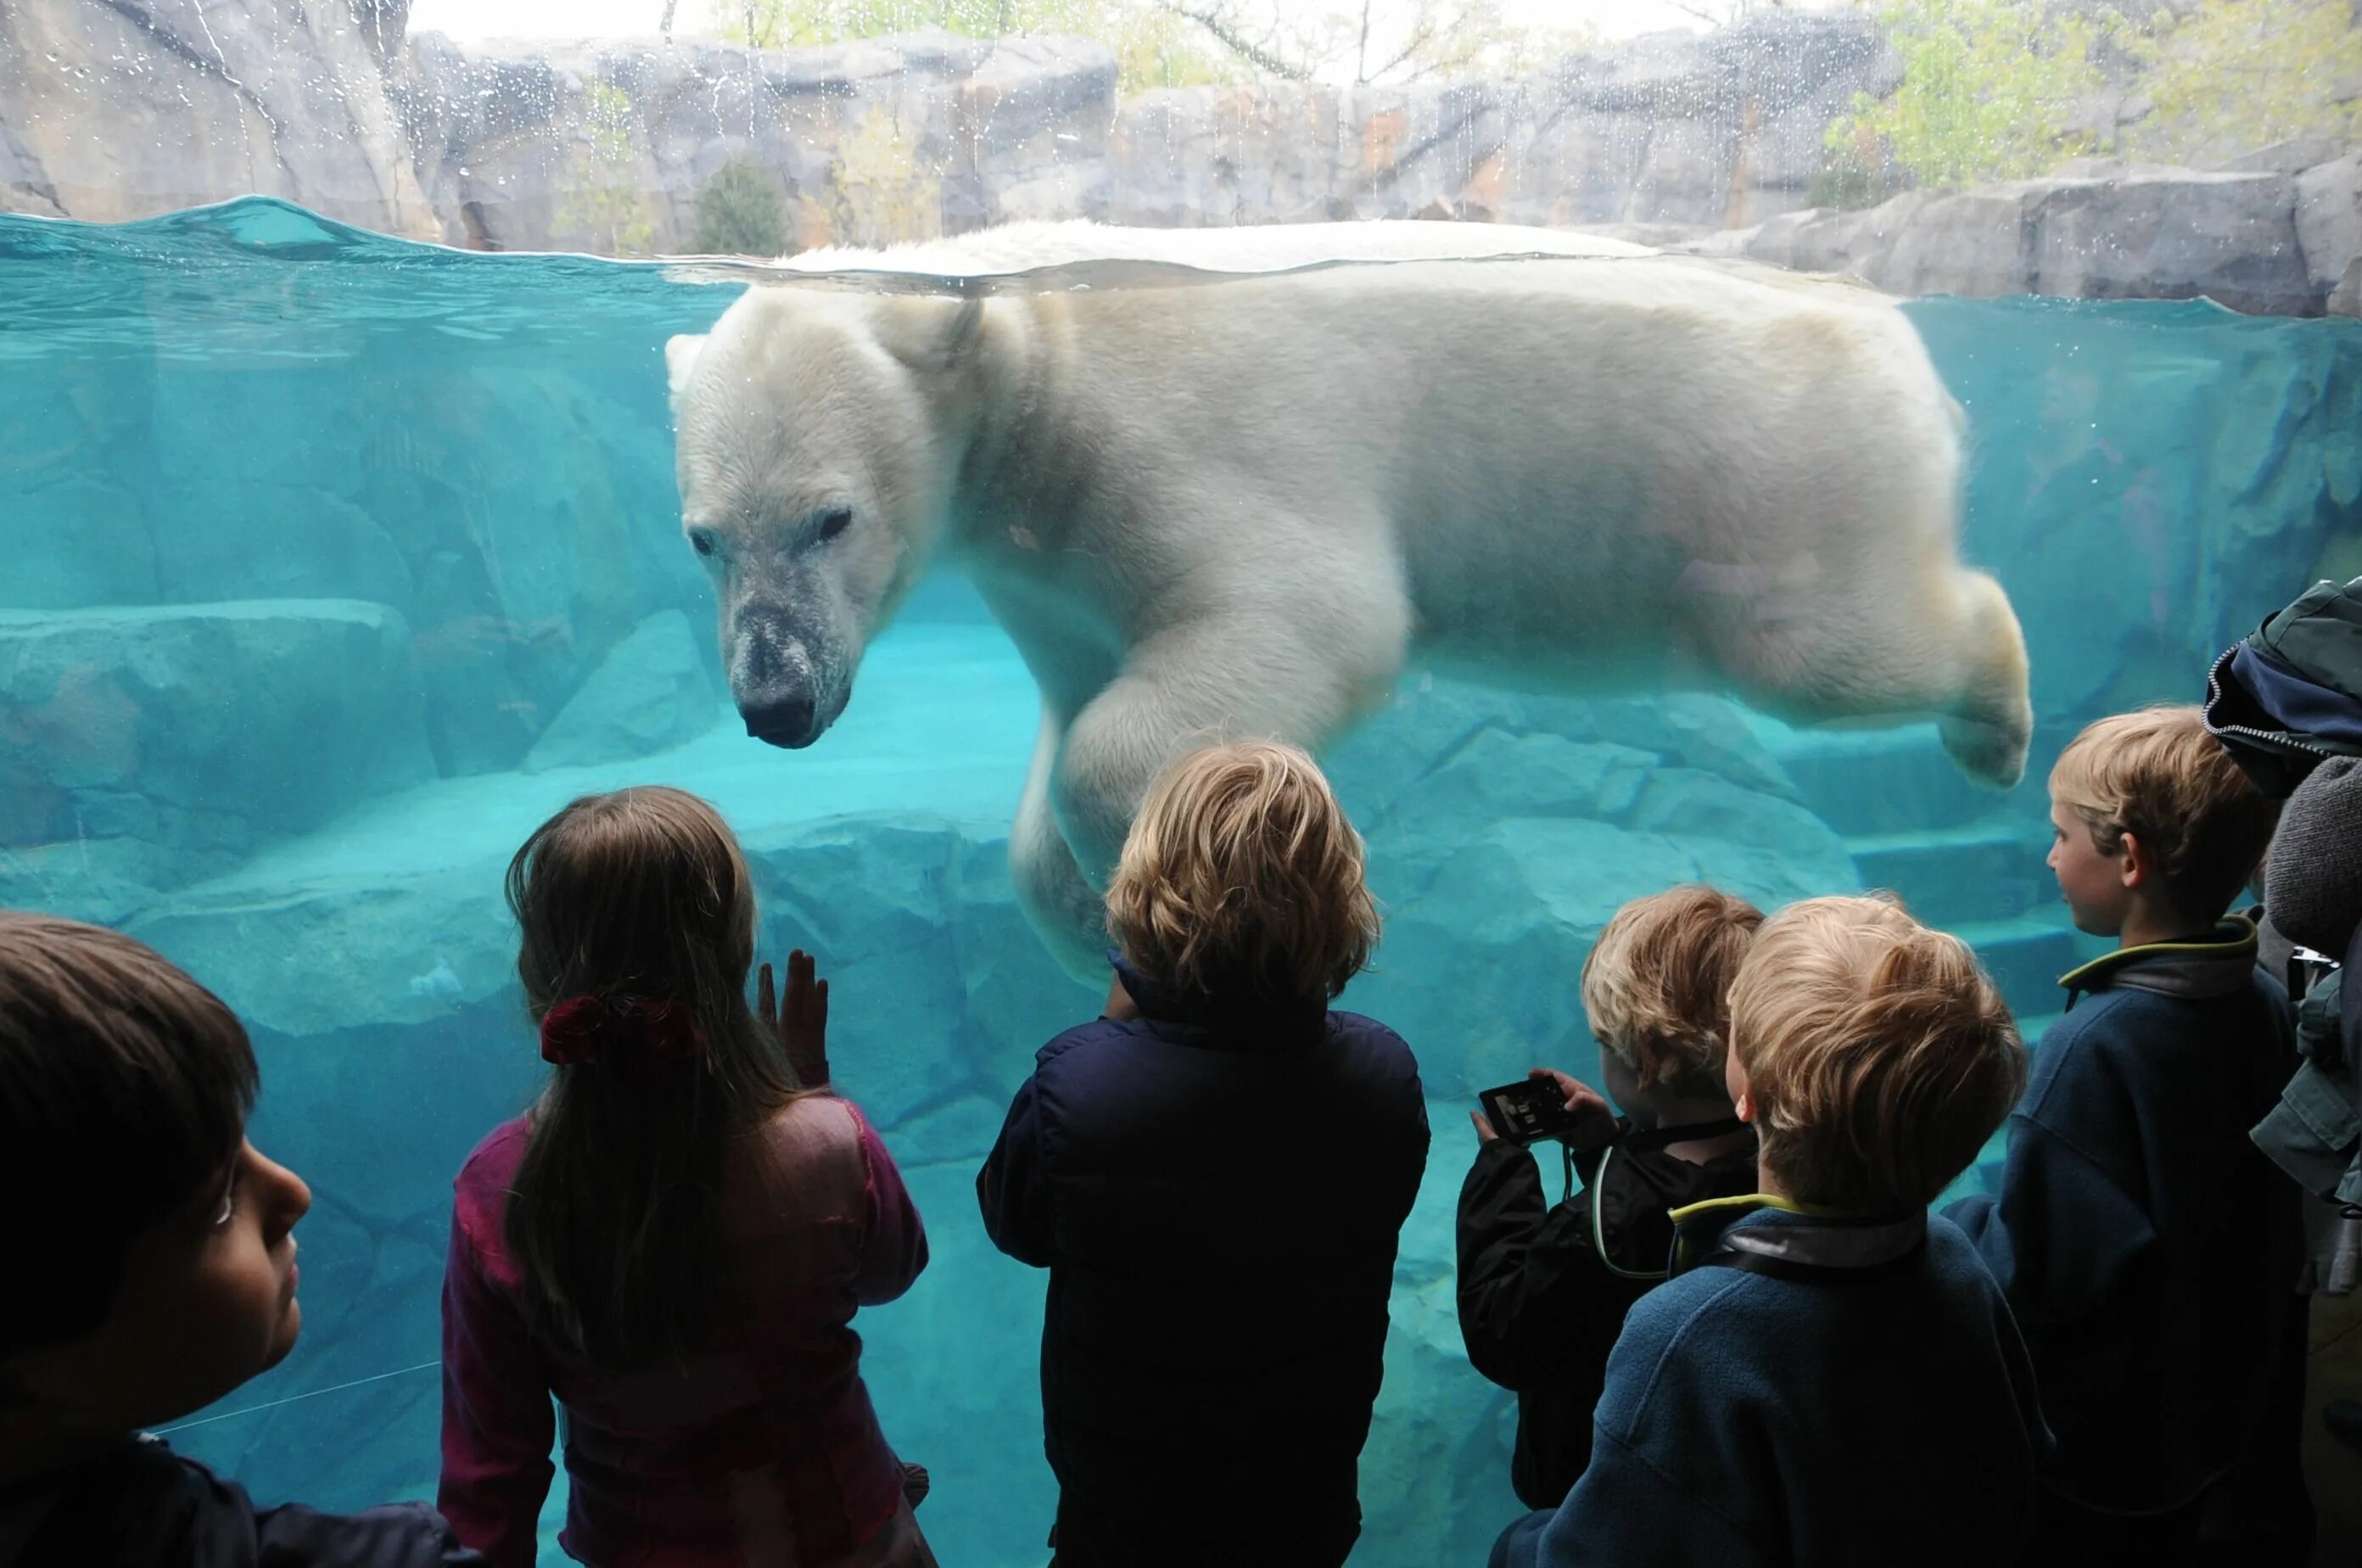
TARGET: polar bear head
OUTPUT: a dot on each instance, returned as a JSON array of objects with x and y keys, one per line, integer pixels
[{"x": 817, "y": 440}]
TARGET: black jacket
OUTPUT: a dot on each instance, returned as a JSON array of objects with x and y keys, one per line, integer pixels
[
  {"x": 140, "y": 1505},
  {"x": 1217, "y": 1199},
  {"x": 1541, "y": 1300}
]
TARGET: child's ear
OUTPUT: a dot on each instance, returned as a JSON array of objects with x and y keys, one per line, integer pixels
[
  {"x": 1647, "y": 1063},
  {"x": 2137, "y": 866}
]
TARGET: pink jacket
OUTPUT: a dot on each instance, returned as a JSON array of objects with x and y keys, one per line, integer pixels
[{"x": 763, "y": 1449}]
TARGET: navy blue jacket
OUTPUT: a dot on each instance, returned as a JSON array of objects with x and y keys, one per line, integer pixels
[
  {"x": 2145, "y": 1243},
  {"x": 1217, "y": 1199},
  {"x": 140, "y": 1505},
  {"x": 1830, "y": 1411}
]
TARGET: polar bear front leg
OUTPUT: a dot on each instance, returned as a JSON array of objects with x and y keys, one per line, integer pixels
[
  {"x": 1298, "y": 674},
  {"x": 1065, "y": 909}
]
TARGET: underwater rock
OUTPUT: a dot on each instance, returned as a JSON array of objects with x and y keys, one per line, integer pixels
[
  {"x": 649, "y": 694},
  {"x": 202, "y": 729},
  {"x": 234, "y": 538},
  {"x": 80, "y": 541}
]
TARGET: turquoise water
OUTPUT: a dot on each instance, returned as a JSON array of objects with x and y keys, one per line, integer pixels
[{"x": 330, "y": 565}]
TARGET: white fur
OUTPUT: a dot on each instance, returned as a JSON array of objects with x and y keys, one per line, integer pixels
[
  {"x": 1024, "y": 247},
  {"x": 1240, "y": 507}
]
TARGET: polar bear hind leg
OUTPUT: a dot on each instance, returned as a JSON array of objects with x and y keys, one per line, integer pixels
[
  {"x": 1943, "y": 642},
  {"x": 1990, "y": 723}
]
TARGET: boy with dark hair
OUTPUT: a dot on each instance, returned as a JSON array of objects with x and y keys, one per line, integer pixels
[
  {"x": 166, "y": 1270},
  {"x": 2147, "y": 1245},
  {"x": 1830, "y": 1377},
  {"x": 1544, "y": 1290}
]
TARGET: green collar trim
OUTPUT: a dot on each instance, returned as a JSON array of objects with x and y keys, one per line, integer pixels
[
  {"x": 2231, "y": 951},
  {"x": 1748, "y": 1203}
]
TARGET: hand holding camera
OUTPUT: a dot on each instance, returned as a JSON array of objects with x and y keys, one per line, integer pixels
[{"x": 1547, "y": 1104}]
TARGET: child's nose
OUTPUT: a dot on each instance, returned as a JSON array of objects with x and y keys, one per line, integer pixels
[{"x": 290, "y": 1194}]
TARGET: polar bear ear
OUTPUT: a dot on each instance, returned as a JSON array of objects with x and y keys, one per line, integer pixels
[
  {"x": 681, "y": 358},
  {"x": 930, "y": 335}
]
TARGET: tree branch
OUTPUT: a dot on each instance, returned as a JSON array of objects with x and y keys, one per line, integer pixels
[
  {"x": 1230, "y": 38},
  {"x": 1419, "y": 40}
]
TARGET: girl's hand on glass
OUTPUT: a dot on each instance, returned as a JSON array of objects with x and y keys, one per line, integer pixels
[
  {"x": 1594, "y": 1119},
  {"x": 800, "y": 1019}
]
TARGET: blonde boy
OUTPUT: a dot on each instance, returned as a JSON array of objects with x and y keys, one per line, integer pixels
[
  {"x": 2147, "y": 1247},
  {"x": 1214, "y": 1172},
  {"x": 1543, "y": 1289},
  {"x": 1830, "y": 1372}
]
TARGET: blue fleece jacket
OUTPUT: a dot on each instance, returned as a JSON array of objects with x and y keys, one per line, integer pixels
[
  {"x": 1827, "y": 1399},
  {"x": 2147, "y": 1247}
]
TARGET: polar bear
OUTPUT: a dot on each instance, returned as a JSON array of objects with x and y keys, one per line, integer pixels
[{"x": 1210, "y": 505}]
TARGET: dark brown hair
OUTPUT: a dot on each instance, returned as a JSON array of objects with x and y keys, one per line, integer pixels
[
  {"x": 124, "y": 1090},
  {"x": 637, "y": 896}
]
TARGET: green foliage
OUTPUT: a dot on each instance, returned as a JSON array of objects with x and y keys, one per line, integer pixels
[
  {"x": 1849, "y": 181},
  {"x": 739, "y": 213},
  {"x": 2237, "y": 74},
  {"x": 604, "y": 200},
  {"x": 1988, "y": 88}
]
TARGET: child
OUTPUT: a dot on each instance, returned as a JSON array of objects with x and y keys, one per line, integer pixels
[
  {"x": 674, "y": 1240},
  {"x": 1214, "y": 1173},
  {"x": 1543, "y": 1291},
  {"x": 1830, "y": 1376},
  {"x": 2147, "y": 1247},
  {"x": 155, "y": 1270}
]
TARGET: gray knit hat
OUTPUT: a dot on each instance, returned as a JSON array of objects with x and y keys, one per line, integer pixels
[{"x": 2313, "y": 875}]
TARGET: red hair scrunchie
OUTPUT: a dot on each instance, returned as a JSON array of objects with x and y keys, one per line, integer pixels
[{"x": 585, "y": 1028}]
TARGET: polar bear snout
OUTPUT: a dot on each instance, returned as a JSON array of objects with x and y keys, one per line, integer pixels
[
  {"x": 778, "y": 687},
  {"x": 784, "y": 720}
]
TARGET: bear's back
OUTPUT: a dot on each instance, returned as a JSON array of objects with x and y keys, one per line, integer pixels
[{"x": 1023, "y": 246}]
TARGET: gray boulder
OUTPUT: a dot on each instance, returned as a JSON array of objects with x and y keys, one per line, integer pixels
[
  {"x": 651, "y": 692},
  {"x": 2098, "y": 231},
  {"x": 2329, "y": 222},
  {"x": 930, "y": 133},
  {"x": 110, "y": 112}
]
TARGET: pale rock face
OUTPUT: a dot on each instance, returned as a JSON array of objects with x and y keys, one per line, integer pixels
[{"x": 110, "y": 112}]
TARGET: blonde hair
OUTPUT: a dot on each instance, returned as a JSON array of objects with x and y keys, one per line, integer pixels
[
  {"x": 2159, "y": 776},
  {"x": 1878, "y": 1055},
  {"x": 1662, "y": 973},
  {"x": 1242, "y": 879}
]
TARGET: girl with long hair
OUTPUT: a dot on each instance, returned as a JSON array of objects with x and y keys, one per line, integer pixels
[{"x": 673, "y": 1241}]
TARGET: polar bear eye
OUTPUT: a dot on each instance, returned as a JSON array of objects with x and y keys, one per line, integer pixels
[
  {"x": 835, "y": 522},
  {"x": 702, "y": 541}
]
